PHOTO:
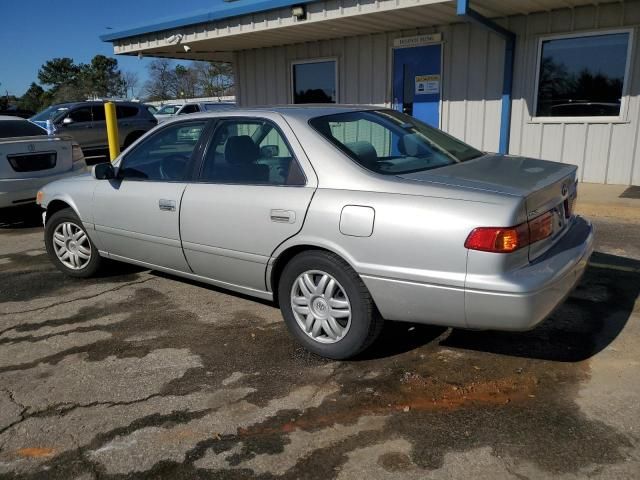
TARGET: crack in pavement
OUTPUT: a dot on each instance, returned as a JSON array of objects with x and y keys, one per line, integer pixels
[
  {"x": 21, "y": 414},
  {"x": 64, "y": 302}
]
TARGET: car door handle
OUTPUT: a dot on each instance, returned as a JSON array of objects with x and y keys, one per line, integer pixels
[
  {"x": 283, "y": 216},
  {"x": 167, "y": 205}
]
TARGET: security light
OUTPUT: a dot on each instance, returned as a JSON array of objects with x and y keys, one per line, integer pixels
[
  {"x": 175, "y": 38},
  {"x": 299, "y": 12},
  {"x": 187, "y": 48}
]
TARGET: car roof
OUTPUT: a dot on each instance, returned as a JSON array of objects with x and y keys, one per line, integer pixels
[{"x": 300, "y": 111}]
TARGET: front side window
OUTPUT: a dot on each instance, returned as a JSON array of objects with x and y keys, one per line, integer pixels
[
  {"x": 250, "y": 152},
  {"x": 392, "y": 143},
  {"x": 165, "y": 155},
  {"x": 582, "y": 76},
  {"x": 315, "y": 82},
  {"x": 82, "y": 114}
]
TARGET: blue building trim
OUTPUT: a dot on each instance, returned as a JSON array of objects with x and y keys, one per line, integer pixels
[
  {"x": 465, "y": 11},
  {"x": 224, "y": 11}
]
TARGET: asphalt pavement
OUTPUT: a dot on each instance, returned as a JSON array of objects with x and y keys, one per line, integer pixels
[{"x": 137, "y": 374}]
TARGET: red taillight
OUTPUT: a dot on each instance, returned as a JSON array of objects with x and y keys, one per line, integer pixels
[
  {"x": 498, "y": 239},
  {"x": 510, "y": 239}
]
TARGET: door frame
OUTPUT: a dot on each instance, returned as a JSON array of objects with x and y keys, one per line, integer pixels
[{"x": 391, "y": 66}]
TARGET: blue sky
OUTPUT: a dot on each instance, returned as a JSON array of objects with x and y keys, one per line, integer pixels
[{"x": 34, "y": 31}]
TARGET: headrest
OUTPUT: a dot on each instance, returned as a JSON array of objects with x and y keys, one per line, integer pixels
[
  {"x": 364, "y": 151},
  {"x": 412, "y": 145},
  {"x": 241, "y": 150}
]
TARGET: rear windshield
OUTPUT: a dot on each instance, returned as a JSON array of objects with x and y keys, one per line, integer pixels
[
  {"x": 19, "y": 128},
  {"x": 392, "y": 143}
]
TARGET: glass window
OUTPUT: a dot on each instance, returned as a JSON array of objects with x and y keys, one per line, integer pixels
[
  {"x": 165, "y": 155},
  {"x": 392, "y": 143},
  {"x": 252, "y": 153},
  {"x": 123, "y": 111},
  {"x": 190, "y": 109},
  {"x": 82, "y": 114},
  {"x": 19, "y": 128},
  {"x": 99, "y": 114},
  {"x": 52, "y": 113},
  {"x": 582, "y": 76},
  {"x": 315, "y": 82},
  {"x": 169, "y": 110}
]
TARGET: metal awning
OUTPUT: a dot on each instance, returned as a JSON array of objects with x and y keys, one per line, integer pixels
[{"x": 217, "y": 34}]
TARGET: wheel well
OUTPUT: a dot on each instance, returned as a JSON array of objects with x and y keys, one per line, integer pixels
[
  {"x": 282, "y": 261},
  {"x": 55, "y": 206}
]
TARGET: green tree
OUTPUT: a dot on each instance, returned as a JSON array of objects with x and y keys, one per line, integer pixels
[
  {"x": 33, "y": 99},
  {"x": 58, "y": 71}
]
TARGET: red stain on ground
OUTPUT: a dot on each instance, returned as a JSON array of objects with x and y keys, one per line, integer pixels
[
  {"x": 415, "y": 393},
  {"x": 36, "y": 452}
]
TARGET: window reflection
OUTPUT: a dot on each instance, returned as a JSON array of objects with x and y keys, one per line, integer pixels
[
  {"x": 582, "y": 76},
  {"x": 314, "y": 82}
]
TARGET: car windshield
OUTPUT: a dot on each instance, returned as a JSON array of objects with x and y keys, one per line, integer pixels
[
  {"x": 168, "y": 110},
  {"x": 392, "y": 143},
  {"x": 52, "y": 113},
  {"x": 19, "y": 128}
]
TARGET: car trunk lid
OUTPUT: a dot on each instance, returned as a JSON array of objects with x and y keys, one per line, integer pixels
[
  {"x": 545, "y": 186},
  {"x": 37, "y": 156}
]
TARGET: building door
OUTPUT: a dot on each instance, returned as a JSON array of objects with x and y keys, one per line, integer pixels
[{"x": 417, "y": 82}]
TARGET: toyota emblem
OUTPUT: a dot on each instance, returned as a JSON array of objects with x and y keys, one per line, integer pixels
[
  {"x": 31, "y": 147},
  {"x": 565, "y": 189}
]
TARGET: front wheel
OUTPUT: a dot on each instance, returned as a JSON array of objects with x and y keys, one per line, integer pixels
[
  {"x": 326, "y": 306},
  {"x": 68, "y": 245}
]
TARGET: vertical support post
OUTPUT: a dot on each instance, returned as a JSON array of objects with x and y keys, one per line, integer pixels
[
  {"x": 112, "y": 130},
  {"x": 463, "y": 10}
]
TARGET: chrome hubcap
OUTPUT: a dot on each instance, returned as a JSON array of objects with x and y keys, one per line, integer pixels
[
  {"x": 71, "y": 245},
  {"x": 321, "y": 307}
]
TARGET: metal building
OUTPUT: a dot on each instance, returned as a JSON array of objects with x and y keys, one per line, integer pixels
[{"x": 554, "y": 79}]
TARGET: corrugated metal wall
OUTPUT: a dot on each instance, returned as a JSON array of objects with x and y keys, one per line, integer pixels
[{"x": 472, "y": 84}]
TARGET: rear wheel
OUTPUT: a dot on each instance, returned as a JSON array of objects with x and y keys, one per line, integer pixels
[
  {"x": 68, "y": 245},
  {"x": 326, "y": 306}
]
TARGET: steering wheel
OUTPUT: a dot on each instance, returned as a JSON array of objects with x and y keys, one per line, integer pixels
[{"x": 172, "y": 167}]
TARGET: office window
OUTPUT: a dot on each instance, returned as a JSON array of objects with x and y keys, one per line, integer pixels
[
  {"x": 582, "y": 76},
  {"x": 315, "y": 82}
]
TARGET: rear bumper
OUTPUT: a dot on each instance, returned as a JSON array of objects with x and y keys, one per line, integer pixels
[
  {"x": 530, "y": 294},
  {"x": 22, "y": 191}
]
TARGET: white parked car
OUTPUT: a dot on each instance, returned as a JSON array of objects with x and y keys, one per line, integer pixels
[
  {"x": 29, "y": 159},
  {"x": 171, "y": 110}
]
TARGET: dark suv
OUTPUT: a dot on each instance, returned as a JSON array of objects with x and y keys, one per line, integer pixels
[{"x": 85, "y": 122}]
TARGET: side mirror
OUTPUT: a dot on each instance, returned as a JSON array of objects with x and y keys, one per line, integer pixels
[
  {"x": 103, "y": 171},
  {"x": 67, "y": 120}
]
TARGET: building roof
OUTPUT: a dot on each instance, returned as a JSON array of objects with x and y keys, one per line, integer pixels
[{"x": 220, "y": 11}]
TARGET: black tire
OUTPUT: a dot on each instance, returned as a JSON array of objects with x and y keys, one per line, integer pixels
[
  {"x": 67, "y": 215},
  {"x": 366, "y": 322}
]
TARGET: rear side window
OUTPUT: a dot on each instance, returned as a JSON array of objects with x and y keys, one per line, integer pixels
[
  {"x": 19, "y": 128},
  {"x": 189, "y": 109},
  {"x": 165, "y": 155},
  {"x": 98, "y": 113},
  {"x": 250, "y": 152},
  {"x": 390, "y": 142},
  {"x": 123, "y": 111}
]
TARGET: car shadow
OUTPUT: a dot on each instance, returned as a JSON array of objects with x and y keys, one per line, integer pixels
[
  {"x": 589, "y": 320},
  {"x": 27, "y": 216}
]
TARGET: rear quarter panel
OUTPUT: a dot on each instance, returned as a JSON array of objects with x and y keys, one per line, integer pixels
[{"x": 416, "y": 248}]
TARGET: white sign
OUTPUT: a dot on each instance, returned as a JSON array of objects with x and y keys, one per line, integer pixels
[
  {"x": 417, "y": 40},
  {"x": 427, "y": 84}
]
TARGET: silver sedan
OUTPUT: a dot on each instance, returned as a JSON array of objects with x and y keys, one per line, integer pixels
[{"x": 344, "y": 216}]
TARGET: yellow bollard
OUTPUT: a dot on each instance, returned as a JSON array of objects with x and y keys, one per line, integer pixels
[{"x": 112, "y": 129}]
